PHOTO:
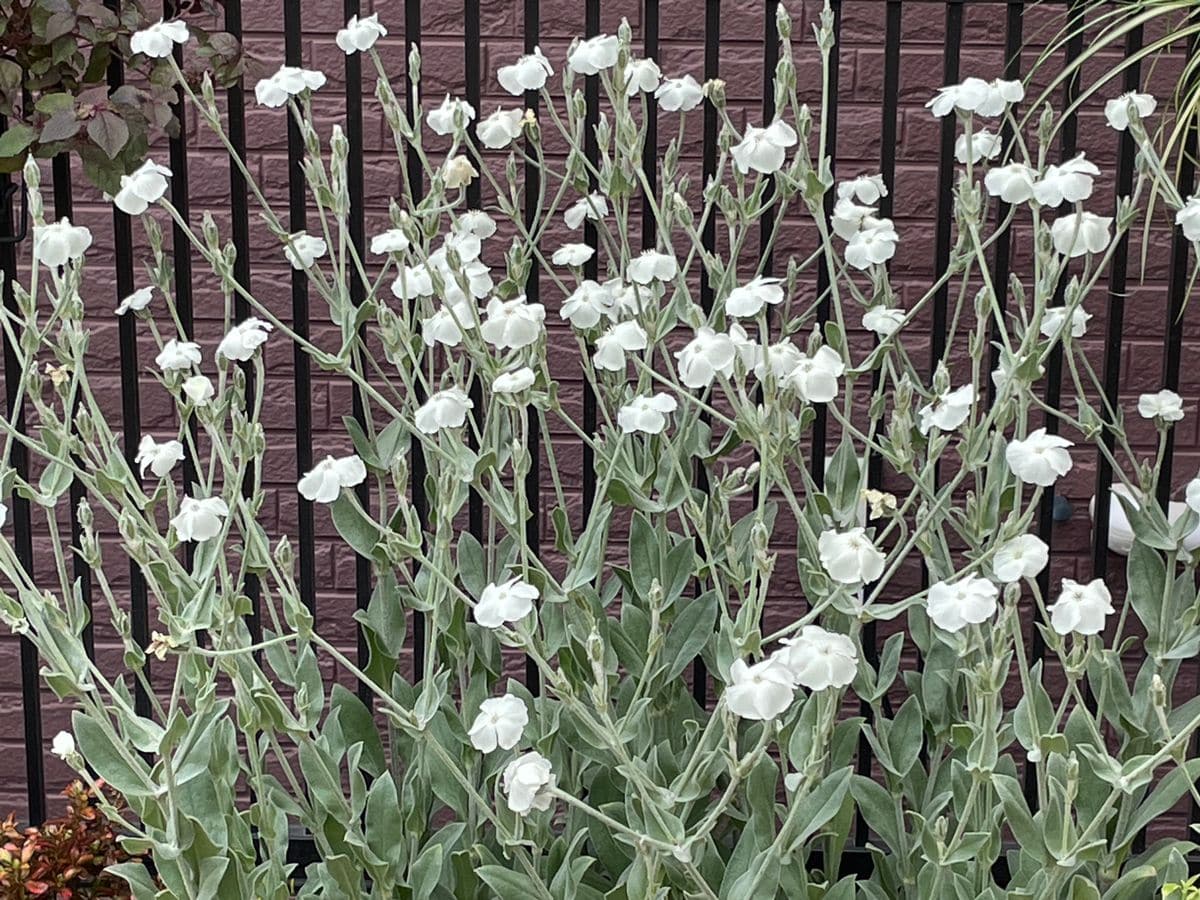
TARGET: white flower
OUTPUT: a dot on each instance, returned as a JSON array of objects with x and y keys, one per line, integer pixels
[
  {"x": 324, "y": 483},
  {"x": 360, "y": 34},
  {"x": 58, "y": 242},
  {"x": 953, "y": 605},
  {"x": 63, "y": 745},
  {"x": 178, "y": 355},
  {"x": 1081, "y": 608},
  {"x": 849, "y": 217},
  {"x": 749, "y": 351},
  {"x": 1040, "y": 458},
  {"x": 289, "y": 81},
  {"x": 815, "y": 377},
  {"x": 244, "y": 338},
  {"x": 679, "y": 94},
  {"x": 465, "y": 244},
  {"x": 198, "y": 389},
  {"x": 983, "y": 145},
  {"x": 872, "y": 245},
  {"x": 708, "y": 354},
  {"x": 501, "y": 128},
  {"x": 1116, "y": 110},
  {"x": 3, "y": 514},
  {"x": 158, "y": 40},
  {"x": 304, "y": 249},
  {"x": 445, "y": 326},
  {"x": 779, "y": 359},
  {"x": 948, "y": 411},
  {"x": 764, "y": 149},
  {"x": 441, "y": 118},
  {"x": 391, "y": 241},
  {"x": 652, "y": 266},
  {"x": 589, "y": 56},
  {"x": 641, "y": 75},
  {"x": 1055, "y": 318},
  {"x": 866, "y": 189},
  {"x": 512, "y": 323},
  {"x": 500, "y": 723},
  {"x": 883, "y": 320},
  {"x": 819, "y": 659},
  {"x": 508, "y": 602},
  {"x": 1167, "y": 406},
  {"x": 761, "y": 691},
  {"x": 1069, "y": 182},
  {"x": 528, "y": 781},
  {"x": 476, "y": 222},
  {"x": 158, "y": 458},
  {"x": 145, "y": 185},
  {"x": 646, "y": 415},
  {"x": 199, "y": 520},
  {"x": 1189, "y": 218},
  {"x": 1080, "y": 233},
  {"x": 1013, "y": 183},
  {"x": 137, "y": 301},
  {"x": 443, "y": 409},
  {"x": 572, "y": 255},
  {"x": 748, "y": 299},
  {"x": 587, "y": 304},
  {"x": 850, "y": 557},
  {"x": 413, "y": 281},
  {"x": 528, "y": 73},
  {"x": 594, "y": 206},
  {"x": 513, "y": 382},
  {"x": 974, "y": 95},
  {"x": 612, "y": 346},
  {"x": 1191, "y": 495},
  {"x": 1022, "y": 557},
  {"x": 458, "y": 172}
]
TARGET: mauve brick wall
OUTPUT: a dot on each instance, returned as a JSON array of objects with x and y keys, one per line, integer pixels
[{"x": 681, "y": 50}]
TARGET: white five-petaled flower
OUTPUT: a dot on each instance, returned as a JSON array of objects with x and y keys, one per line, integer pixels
[
  {"x": 412, "y": 281},
  {"x": 646, "y": 415},
  {"x": 874, "y": 244},
  {"x": 652, "y": 266},
  {"x": 1021, "y": 557},
  {"x": 360, "y": 34},
  {"x": 681, "y": 94},
  {"x": 177, "y": 355},
  {"x": 974, "y": 95},
  {"x": 528, "y": 781},
  {"x": 63, "y": 745},
  {"x": 1081, "y": 608},
  {"x": 288, "y": 82},
  {"x": 512, "y": 323},
  {"x": 56, "y": 243},
  {"x": 244, "y": 338},
  {"x": 1116, "y": 110},
  {"x": 137, "y": 301},
  {"x": 501, "y": 128},
  {"x": 587, "y": 304},
  {"x": 1013, "y": 183},
  {"x": 1040, "y": 458},
  {"x": 159, "y": 458},
  {"x": 391, "y": 241},
  {"x": 641, "y": 75},
  {"x": 1164, "y": 405},
  {"x": 324, "y": 483},
  {"x": 748, "y": 299},
  {"x": 779, "y": 360},
  {"x": 850, "y": 557},
  {"x": 982, "y": 145},
  {"x": 1069, "y": 182},
  {"x": 198, "y": 389},
  {"x": 848, "y": 217},
  {"x": 528, "y": 73},
  {"x": 574, "y": 255},
  {"x": 865, "y": 189},
  {"x": 1188, "y": 218},
  {"x": 1055, "y": 318},
  {"x": 764, "y": 149},
  {"x": 145, "y": 185},
  {"x": 514, "y": 381},
  {"x": 815, "y": 377},
  {"x": 759, "y": 692},
  {"x": 590, "y": 56},
  {"x": 1078, "y": 234},
  {"x": 948, "y": 411},
  {"x": 969, "y": 600},
  {"x": 199, "y": 520},
  {"x": 442, "y": 118},
  {"x": 304, "y": 249},
  {"x": 708, "y": 354},
  {"x": 443, "y": 409},
  {"x": 594, "y": 206},
  {"x": 158, "y": 40},
  {"x": 883, "y": 320},
  {"x": 445, "y": 326},
  {"x": 611, "y": 347},
  {"x": 476, "y": 222},
  {"x": 500, "y": 723},
  {"x": 819, "y": 659},
  {"x": 749, "y": 351},
  {"x": 508, "y": 602},
  {"x": 458, "y": 172}
]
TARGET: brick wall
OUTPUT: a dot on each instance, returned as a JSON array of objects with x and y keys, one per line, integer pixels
[{"x": 860, "y": 110}]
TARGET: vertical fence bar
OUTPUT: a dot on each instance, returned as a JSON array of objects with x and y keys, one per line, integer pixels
[
  {"x": 770, "y": 61},
  {"x": 591, "y": 269},
  {"x": 473, "y": 71},
  {"x": 301, "y": 366},
  {"x": 945, "y": 213},
  {"x": 31, "y": 696},
  {"x": 650, "y": 147}
]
